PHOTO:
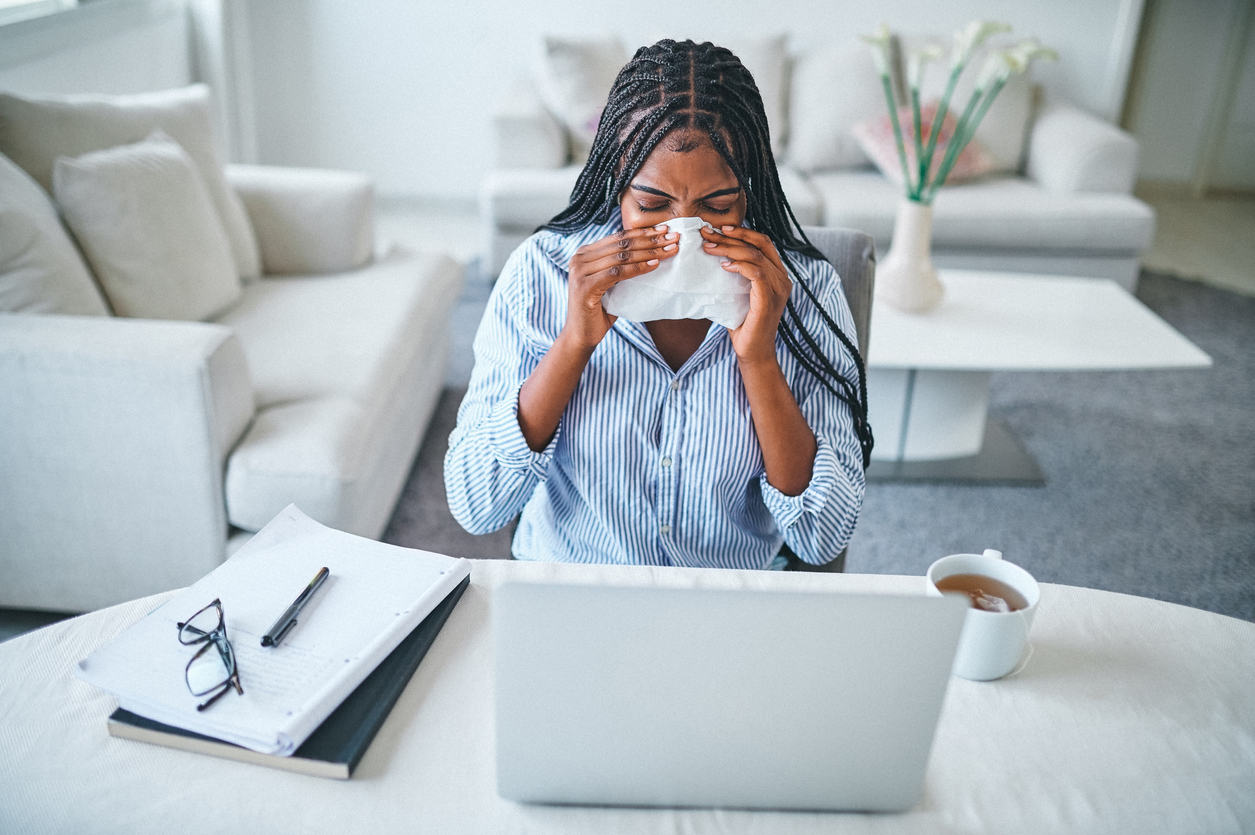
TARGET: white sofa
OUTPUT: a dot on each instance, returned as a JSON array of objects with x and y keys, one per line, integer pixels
[
  {"x": 135, "y": 450},
  {"x": 1064, "y": 207}
]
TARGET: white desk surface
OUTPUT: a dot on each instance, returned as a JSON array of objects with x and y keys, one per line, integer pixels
[
  {"x": 1132, "y": 716},
  {"x": 994, "y": 321}
]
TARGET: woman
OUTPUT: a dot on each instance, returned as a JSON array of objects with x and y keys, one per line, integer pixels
[{"x": 673, "y": 442}]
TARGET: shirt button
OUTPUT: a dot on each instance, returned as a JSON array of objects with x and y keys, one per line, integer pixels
[
  {"x": 664, "y": 530},
  {"x": 675, "y": 385},
  {"x": 666, "y": 462}
]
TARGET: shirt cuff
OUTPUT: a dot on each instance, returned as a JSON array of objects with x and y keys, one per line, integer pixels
[
  {"x": 509, "y": 447},
  {"x": 786, "y": 510}
]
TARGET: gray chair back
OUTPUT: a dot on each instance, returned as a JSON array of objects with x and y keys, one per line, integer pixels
[{"x": 853, "y": 253}]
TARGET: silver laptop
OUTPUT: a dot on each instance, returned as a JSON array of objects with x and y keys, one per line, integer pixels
[{"x": 688, "y": 697}]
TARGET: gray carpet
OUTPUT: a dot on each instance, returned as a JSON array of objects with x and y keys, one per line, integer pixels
[{"x": 1150, "y": 476}]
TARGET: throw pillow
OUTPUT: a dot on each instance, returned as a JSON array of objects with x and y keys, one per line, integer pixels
[
  {"x": 574, "y": 78},
  {"x": 34, "y": 132},
  {"x": 875, "y": 137},
  {"x": 144, "y": 218},
  {"x": 40, "y": 270},
  {"x": 833, "y": 89}
]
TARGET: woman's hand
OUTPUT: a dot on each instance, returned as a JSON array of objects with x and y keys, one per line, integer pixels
[
  {"x": 594, "y": 269},
  {"x": 787, "y": 442},
  {"x": 754, "y": 256},
  {"x": 598, "y": 266}
]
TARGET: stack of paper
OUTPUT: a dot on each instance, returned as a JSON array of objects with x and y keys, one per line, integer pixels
[{"x": 375, "y": 596}]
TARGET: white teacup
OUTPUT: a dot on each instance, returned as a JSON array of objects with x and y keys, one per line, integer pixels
[{"x": 992, "y": 642}]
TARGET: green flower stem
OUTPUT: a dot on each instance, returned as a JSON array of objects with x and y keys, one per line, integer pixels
[
  {"x": 953, "y": 147},
  {"x": 897, "y": 135},
  {"x": 963, "y": 133},
  {"x": 919, "y": 142},
  {"x": 938, "y": 120}
]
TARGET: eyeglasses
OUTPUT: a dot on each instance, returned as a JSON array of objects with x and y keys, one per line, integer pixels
[{"x": 212, "y": 669}]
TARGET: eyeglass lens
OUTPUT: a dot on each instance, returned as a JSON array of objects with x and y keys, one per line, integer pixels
[
  {"x": 212, "y": 668},
  {"x": 201, "y": 625},
  {"x": 209, "y": 669}
]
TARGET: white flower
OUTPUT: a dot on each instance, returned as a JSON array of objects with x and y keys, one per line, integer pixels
[
  {"x": 997, "y": 67},
  {"x": 919, "y": 59},
  {"x": 968, "y": 39},
  {"x": 879, "y": 42},
  {"x": 1025, "y": 52},
  {"x": 1004, "y": 63}
]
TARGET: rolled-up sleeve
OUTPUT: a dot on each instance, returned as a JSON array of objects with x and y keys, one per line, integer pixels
[
  {"x": 490, "y": 471},
  {"x": 818, "y": 523}
]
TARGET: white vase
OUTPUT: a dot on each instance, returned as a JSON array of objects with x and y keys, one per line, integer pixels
[{"x": 906, "y": 279}]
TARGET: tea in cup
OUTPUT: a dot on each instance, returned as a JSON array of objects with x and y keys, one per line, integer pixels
[{"x": 1004, "y": 600}]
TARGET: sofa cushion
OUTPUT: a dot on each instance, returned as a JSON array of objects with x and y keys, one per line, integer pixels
[
  {"x": 574, "y": 77},
  {"x": 336, "y": 362},
  {"x": 146, "y": 223},
  {"x": 40, "y": 270},
  {"x": 833, "y": 89},
  {"x": 35, "y": 131},
  {"x": 308, "y": 220},
  {"x": 524, "y": 198},
  {"x": 1007, "y": 213}
]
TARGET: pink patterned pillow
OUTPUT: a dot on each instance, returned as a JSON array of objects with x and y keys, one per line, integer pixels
[{"x": 875, "y": 137}]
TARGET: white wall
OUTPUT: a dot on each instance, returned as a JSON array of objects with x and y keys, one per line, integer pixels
[
  {"x": 403, "y": 89},
  {"x": 110, "y": 46}
]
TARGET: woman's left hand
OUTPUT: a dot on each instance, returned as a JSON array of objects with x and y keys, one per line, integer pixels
[{"x": 754, "y": 256}]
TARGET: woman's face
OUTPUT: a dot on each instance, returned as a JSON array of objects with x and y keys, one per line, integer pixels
[{"x": 684, "y": 176}]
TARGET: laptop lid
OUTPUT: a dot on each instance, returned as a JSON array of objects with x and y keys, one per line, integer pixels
[{"x": 693, "y": 697}]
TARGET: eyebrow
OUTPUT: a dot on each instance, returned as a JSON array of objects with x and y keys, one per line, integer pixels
[{"x": 659, "y": 193}]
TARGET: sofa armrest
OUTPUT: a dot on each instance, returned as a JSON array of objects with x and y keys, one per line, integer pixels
[
  {"x": 524, "y": 133},
  {"x": 112, "y": 458},
  {"x": 1073, "y": 151},
  {"x": 307, "y": 220}
]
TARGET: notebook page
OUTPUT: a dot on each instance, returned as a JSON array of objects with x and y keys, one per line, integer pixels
[{"x": 375, "y": 595}]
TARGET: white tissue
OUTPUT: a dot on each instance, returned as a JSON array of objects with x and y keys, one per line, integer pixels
[{"x": 692, "y": 284}]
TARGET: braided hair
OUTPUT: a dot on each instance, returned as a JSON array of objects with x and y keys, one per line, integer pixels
[{"x": 688, "y": 86}]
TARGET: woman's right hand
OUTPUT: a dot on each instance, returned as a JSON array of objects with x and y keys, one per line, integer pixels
[{"x": 598, "y": 266}]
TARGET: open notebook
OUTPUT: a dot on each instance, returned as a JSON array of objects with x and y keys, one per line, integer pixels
[{"x": 376, "y": 595}]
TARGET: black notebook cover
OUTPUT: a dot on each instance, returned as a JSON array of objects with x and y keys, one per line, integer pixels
[{"x": 338, "y": 744}]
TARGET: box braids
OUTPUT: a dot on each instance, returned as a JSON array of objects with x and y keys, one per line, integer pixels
[{"x": 689, "y": 86}]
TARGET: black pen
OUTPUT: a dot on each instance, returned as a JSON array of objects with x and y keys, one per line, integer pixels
[{"x": 287, "y": 620}]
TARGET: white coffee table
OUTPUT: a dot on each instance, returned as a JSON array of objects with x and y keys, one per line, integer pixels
[{"x": 928, "y": 374}]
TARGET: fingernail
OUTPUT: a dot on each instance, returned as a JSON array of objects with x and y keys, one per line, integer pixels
[
  {"x": 726, "y": 263},
  {"x": 663, "y": 228},
  {"x": 669, "y": 246},
  {"x": 652, "y": 262},
  {"x": 728, "y": 228},
  {"x": 709, "y": 244},
  {"x": 673, "y": 236}
]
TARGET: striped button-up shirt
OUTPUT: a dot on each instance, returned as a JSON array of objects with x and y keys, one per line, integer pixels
[{"x": 648, "y": 465}]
